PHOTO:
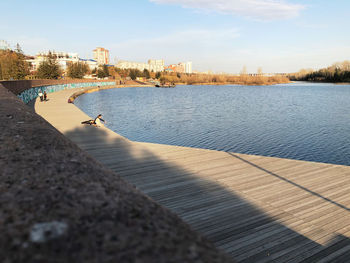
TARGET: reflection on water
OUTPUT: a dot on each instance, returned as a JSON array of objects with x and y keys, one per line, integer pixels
[{"x": 299, "y": 121}]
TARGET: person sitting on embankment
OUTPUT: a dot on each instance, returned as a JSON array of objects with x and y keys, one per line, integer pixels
[{"x": 96, "y": 122}]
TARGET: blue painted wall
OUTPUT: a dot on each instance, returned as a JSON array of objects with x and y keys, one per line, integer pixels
[{"x": 32, "y": 93}]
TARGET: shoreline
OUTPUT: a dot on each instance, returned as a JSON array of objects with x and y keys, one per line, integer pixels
[
  {"x": 238, "y": 83},
  {"x": 94, "y": 89}
]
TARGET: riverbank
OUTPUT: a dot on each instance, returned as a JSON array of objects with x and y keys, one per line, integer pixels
[
  {"x": 237, "y": 83},
  {"x": 220, "y": 79},
  {"x": 95, "y": 89}
]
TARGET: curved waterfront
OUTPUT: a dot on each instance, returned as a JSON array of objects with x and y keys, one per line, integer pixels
[
  {"x": 214, "y": 191},
  {"x": 298, "y": 121}
]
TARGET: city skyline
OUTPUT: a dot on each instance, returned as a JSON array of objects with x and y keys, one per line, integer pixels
[{"x": 220, "y": 36}]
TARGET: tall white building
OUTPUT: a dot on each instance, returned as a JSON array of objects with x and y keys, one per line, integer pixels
[
  {"x": 187, "y": 66},
  {"x": 101, "y": 55}
]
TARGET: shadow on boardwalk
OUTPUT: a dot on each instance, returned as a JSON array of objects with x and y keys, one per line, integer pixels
[{"x": 232, "y": 223}]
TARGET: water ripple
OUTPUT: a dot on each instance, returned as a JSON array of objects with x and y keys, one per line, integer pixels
[{"x": 299, "y": 121}]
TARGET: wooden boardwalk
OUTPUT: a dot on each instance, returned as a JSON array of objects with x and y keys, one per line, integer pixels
[{"x": 258, "y": 209}]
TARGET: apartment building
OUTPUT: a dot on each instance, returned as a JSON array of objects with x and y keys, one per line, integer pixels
[
  {"x": 182, "y": 67},
  {"x": 187, "y": 66},
  {"x": 101, "y": 55},
  {"x": 156, "y": 65}
]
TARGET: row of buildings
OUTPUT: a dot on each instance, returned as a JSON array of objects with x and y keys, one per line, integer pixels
[
  {"x": 156, "y": 66},
  {"x": 101, "y": 57}
]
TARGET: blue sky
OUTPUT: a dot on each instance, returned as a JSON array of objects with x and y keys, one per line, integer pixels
[{"x": 217, "y": 35}]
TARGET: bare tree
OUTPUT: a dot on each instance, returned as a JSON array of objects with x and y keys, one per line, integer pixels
[{"x": 244, "y": 70}]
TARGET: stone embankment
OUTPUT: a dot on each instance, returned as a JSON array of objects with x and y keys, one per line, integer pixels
[{"x": 58, "y": 204}]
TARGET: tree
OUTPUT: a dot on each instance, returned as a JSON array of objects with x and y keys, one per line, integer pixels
[
  {"x": 49, "y": 69},
  {"x": 100, "y": 74},
  {"x": 18, "y": 49},
  {"x": 13, "y": 65},
  {"x": 77, "y": 70},
  {"x": 0, "y": 72},
  {"x": 158, "y": 75},
  {"x": 243, "y": 71},
  {"x": 338, "y": 72},
  {"x": 114, "y": 73},
  {"x": 103, "y": 72},
  {"x": 133, "y": 74},
  {"x": 146, "y": 74}
]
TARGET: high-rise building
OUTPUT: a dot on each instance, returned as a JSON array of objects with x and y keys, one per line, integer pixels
[
  {"x": 101, "y": 55},
  {"x": 187, "y": 67}
]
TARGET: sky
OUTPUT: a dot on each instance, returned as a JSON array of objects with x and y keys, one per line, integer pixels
[{"x": 217, "y": 35}]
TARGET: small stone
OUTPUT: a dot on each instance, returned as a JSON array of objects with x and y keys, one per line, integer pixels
[
  {"x": 25, "y": 245},
  {"x": 43, "y": 232}
]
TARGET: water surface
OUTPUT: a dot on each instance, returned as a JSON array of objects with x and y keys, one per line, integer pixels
[{"x": 299, "y": 121}]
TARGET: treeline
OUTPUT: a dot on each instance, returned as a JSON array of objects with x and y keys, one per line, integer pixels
[
  {"x": 134, "y": 73},
  {"x": 338, "y": 72},
  {"x": 190, "y": 79},
  {"x": 50, "y": 69},
  {"x": 243, "y": 79}
]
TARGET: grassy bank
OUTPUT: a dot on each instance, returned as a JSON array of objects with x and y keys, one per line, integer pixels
[{"x": 205, "y": 79}]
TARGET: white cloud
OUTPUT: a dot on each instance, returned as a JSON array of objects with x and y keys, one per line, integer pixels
[{"x": 258, "y": 9}]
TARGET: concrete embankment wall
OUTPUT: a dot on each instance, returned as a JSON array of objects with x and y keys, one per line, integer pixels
[
  {"x": 57, "y": 204},
  {"x": 31, "y": 88},
  {"x": 19, "y": 86}
]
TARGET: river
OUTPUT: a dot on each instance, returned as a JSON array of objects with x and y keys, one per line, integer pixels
[{"x": 304, "y": 121}]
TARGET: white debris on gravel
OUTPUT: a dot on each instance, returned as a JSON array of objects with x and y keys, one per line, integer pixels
[{"x": 42, "y": 232}]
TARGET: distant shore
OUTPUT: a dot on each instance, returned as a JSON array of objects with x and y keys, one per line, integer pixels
[
  {"x": 235, "y": 83},
  {"x": 94, "y": 89}
]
